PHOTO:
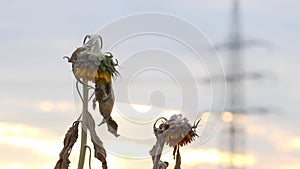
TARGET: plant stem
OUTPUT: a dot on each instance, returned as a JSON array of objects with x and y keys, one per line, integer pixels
[{"x": 83, "y": 125}]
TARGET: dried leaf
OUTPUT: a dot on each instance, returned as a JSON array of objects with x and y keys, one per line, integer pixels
[
  {"x": 112, "y": 127},
  {"x": 69, "y": 141},
  {"x": 100, "y": 152},
  {"x": 106, "y": 105}
]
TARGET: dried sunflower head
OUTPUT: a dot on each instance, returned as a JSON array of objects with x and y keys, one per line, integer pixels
[
  {"x": 178, "y": 131},
  {"x": 90, "y": 63}
]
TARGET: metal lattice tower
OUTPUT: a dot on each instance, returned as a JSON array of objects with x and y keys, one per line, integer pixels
[
  {"x": 235, "y": 77},
  {"x": 235, "y": 100},
  {"x": 235, "y": 142}
]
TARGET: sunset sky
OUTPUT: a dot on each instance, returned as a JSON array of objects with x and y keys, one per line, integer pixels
[{"x": 38, "y": 101}]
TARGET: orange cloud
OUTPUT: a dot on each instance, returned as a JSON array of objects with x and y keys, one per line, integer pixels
[{"x": 213, "y": 156}]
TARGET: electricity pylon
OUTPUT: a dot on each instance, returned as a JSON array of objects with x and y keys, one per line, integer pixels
[
  {"x": 235, "y": 100},
  {"x": 235, "y": 77}
]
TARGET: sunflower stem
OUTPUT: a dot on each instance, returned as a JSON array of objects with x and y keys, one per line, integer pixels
[{"x": 83, "y": 125}]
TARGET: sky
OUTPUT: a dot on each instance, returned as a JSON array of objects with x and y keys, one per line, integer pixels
[{"x": 38, "y": 101}]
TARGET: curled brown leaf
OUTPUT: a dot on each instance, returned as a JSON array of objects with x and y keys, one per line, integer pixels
[
  {"x": 100, "y": 152},
  {"x": 69, "y": 141}
]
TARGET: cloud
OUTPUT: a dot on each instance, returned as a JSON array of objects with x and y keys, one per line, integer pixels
[
  {"x": 195, "y": 157},
  {"x": 24, "y": 136},
  {"x": 192, "y": 157},
  {"x": 50, "y": 106},
  {"x": 294, "y": 143},
  {"x": 282, "y": 139},
  {"x": 27, "y": 147}
]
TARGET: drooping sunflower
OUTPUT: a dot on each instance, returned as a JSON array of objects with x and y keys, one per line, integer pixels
[
  {"x": 88, "y": 62},
  {"x": 178, "y": 131},
  {"x": 175, "y": 132}
]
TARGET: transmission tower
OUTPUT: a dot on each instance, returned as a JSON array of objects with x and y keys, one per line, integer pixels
[
  {"x": 235, "y": 100},
  {"x": 235, "y": 77}
]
